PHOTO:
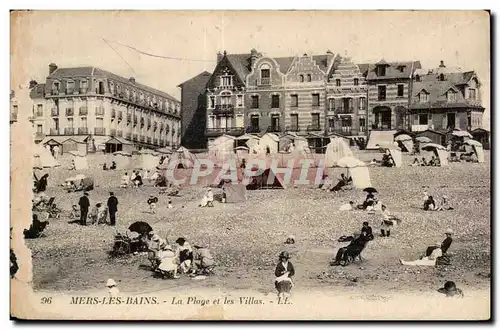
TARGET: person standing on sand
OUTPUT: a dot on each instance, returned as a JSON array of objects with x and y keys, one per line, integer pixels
[
  {"x": 284, "y": 273},
  {"x": 113, "y": 208},
  {"x": 84, "y": 203}
]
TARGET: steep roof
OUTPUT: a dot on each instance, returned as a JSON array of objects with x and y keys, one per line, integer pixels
[
  {"x": 455, "y": 78},
  {"x": 91, "y": 71},
  {"x": 284, "y": 63},
  {"x": 241, "y": 64},
  {"x": 321, "y": 61},
  {"x": 437, "y": 95},
  {"x": 393, "y": 70},
  {"x": 38, "y": 91},
  {"x": 205, "y": 75}
]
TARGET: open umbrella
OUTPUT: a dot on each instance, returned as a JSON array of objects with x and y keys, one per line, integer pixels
[
  {"x": 403, "y": 137},
  {"x": 473, "y": 143},
  {"x": 432, "y": 146},
  {"x": 370, "y": 190},
  {"x": 349, "y": 162},
  {"x": 140, "y": 227},
  {"x": 423, "y": 139},
  {"x": 462, "y": 134}
]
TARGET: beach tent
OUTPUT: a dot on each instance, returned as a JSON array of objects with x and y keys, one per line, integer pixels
[
  {"x": 335, "y": 150},
  {"x": 242, "y": 152},
  {"x": 297, "y": 142},
  {"x": 439, "y": 151},
  {"x": 182, "y": 157},
  {"x": 122, "y": 159},
  {"x": 247, "y": 140},
  {"x": 80, "y": 161},
  {"x": 358, "y": 171},
  {"x": 235, "y": 193},
  {"x": 43, "y": 158},
  {"x": 405, "y": 142},
  {"x": 221, "y": 149},
  {"x": 148, "y": 159},
  {"x": 478, "y": 149},
  {"x": 262, "y": 181},
  {"x": 269, "y": 140}
]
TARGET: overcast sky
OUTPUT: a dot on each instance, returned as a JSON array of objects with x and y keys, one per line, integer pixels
[{"x": 72, "y": 38}]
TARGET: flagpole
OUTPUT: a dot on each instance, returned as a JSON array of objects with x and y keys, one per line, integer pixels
[{"x": 205, "y": 49}]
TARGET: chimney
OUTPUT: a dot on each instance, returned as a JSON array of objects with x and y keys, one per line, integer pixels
[
  {"x": 254, "y": 55},
  {"x": 329, "y": 58},
  {"x": 219, "y": 57},
  {"x": 442, "y": 64},
  {"x": 52, "y": 68},
  {"x": 132, "y": 80}
]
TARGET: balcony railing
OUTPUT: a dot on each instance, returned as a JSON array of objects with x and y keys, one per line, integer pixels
[
  {"x": 128, "y": 136},
  {"x": 344, "y": 110},
  {"x": 83, "y": 130},
  {"x": 313, "y": 128},
  {"x": 273, "y": 129},
  {"x": 223, "y": 109},
  {"x": 119, "y": 133},
  {"x": 54, "y": 112},
  {"x": 83, "y": 111},
  {"x": 155, "y": 141},
  {"x": 70, "y": 91},
  {"x": 419, "y": 128},
  {"x": 252, "y": 129},
  {"x": 112, "y": 132},
  {"x": 347, "y": 131},
  {"x": 69, "y": 130},
  {"x": 99, "y": 131},
  {"x": 99, "y": 111},
  {"x": 54, "y": 131},
  {"x": 293, "y": 128},
  {"x": 142, "y": 138},
  {"x": 54, "y": 92},
  {"x": 225, "y": 130},
  {"x": 135, "y": 137},
  {"x": 83, "y": 90},
  {"x": 383, "y": 127},
  {"x": 265, "y": 81},
  {"x": 162, "y": 142}
]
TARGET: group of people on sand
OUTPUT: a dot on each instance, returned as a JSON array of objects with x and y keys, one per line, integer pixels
[
  {"x": 344, "y": 183},
  {"x": 431, "y": 205},
  {"x": 208, "y": 199},
  {"x": 111, "y": 167},
  {"x": 434, "y": 161},
  {"x": 134, "y": 180},
  {"x": 181, "y": 257},
  {"x": 435, "y": 254},
  {"x": 98, "y": 215}
]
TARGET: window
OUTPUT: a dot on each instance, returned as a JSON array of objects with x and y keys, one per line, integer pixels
[
  {"x": 39, "y": 110},
  {"x": 240, "y": 121},
  {"x": 423, "y": 119},
  {"x": 401, "y": 68},
  {"x": 239, "y": 101},
  {"x": 265, "y": 76},
  {"x": 226, "y": 81},
  {"x": 70, "y": 87},
  {"x": 451, "y": 96},
  {"x": 39, "y": 129},
  {"x": 254, "y": 122},
  {"x": 346, "y": 124},
  {"x": 315, "y": 100},
  {"x": 295, "y": 101},
  {"x": 301, "y": 78},
  {"x": 424, "y": 97},
  {"x": 211, "y": 102},
  {"x": 356, "y": 81},
  {"x": 401, "y": 90},
  {"x": 225, "y": 99},
  {"x": 255, "y": 101},
  {"x": 55, "y": 88},
  {"x": 469, "y": 121},
  {"x": 331, "y": 104},
  {"x": 381, "y": 70},
  {"x": 381, "y": 93},
  {"x": 331, "y": 123},
  {"x": 441, "y": 77},
  {"x": 315, "y": 120},
  {"x": 70, "y": 123},
  {"x": 55, "y": 124},
  {"x": 362, "y": 103},
  {"x": 362, "y": 124},
  {"x": 337, "y": 82},
  {"x": 83, "y": 120},
  {"x": 308, "y": 78},
  {"x": 295, "y": 121},
  {"x": 99, "y": 122},
  {"x": 275, "y": 101},
  {"x": 472, "y": 93}
]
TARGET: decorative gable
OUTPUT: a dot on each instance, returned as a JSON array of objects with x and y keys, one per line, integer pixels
[
  {"x": 304, "y": 68},
  {"x": 225, "y": 76}
]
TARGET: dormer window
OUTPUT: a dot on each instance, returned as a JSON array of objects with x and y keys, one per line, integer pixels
[
  {"x": 401, "y": 68},
  {"x": 356, "y": 81},
  {"x": 337, "y": 82},
  {"x": 417, "y": 77},
  {"x": 226, "y": 81},
  {"x": 381, "y": 70},
  {"x": 301, "y": 78},
  {"x": 451, "y": 96},
  {"x": 424, "y": 97},
  {"x": 441, "y": 77},
  {"x": 265, "y": 74},
  {"x": 308, "y": 78}
]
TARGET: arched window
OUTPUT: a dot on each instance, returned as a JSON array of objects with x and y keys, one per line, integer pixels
[
  {"x": 308, "y": 78},
  {"x": 301, "y": 78},
  {"x": 265, "y": 74}
]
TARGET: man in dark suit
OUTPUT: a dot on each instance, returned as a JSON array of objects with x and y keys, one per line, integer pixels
[
  {"x": 113, "y": 208},
  {"x": 84, "y": 208}
]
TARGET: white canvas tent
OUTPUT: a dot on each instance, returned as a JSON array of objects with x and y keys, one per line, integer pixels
[
  {"x": 182, "y": 157},
  {"x": 149, "y": 159},
  {"x": 221, "y": 149},
  {"x": 406, "y": 141},
  {"x": 397, "y": 156},
  {"x": 269, "y": 140},
  {"x": 248, "y": 140},
  {"x": 43, "y": 158},
  {"x": 80, "y": 161},
  {"x": 478, "y": 149},
  {"x": 335, "y": 150},
  {"x": 358, "y": 171},
  {"x": 439, "y": 151}
]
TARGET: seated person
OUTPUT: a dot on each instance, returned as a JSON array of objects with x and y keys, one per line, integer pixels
[
  {"x": 424, "y": 162},
  {"x": 387, "y": 160},
  {"x": 75, "y": 212},
  {"x": 416, "y": 162},
  {"x": 102, "y": 214},
  {"x": 168, "y": 261},
  {"x": 104, "y": 167},
  {"x": 437, "y": 162},
  {"x": 373, "y": 162},
  {"x": 93, "y": 214},
  {"x": 366, "y": 231},
  {"x": 138, "y": 180},
  {"x": 355, "y": 247},
  {"x": 369, "y": 201},
  {"x": 428, "y": 260},
  {"x": 445, "y": 205},
  {"x": 185, "y": 253},
  {"x": 347, "y": 207},
  {"x": 284, "y": 273},
  {"x": 125, "y": 180},
  {"x": 342, "y": 182},
  {"x": 113, "y": 165},
  {"x": 203, "y": 262},
  {"x": 430, "y": 204}
]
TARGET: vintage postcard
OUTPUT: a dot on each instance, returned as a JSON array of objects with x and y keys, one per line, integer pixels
[{"x": 250, "y": 165}]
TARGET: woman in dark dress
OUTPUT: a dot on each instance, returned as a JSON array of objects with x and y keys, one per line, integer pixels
[
  {"x": 284, "y": 273},
  {"x": 42, "y": 184}
]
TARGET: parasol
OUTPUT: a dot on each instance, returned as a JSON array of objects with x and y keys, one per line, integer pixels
[
  {"x": 462, "y": 134},
  {"x": 140, "y": 227},
  {"x": 370, "y": 190},
  {"x": 473, "y": 143},
  {"x": 432, "y": 146},
  {"x": 349, "y": 162},
  {"x": 423, "y": 139},
  {"x": 403, "y": 137}
]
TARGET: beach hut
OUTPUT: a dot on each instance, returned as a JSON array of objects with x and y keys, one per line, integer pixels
[
  {"x": 80, "y": 160},
  {"x": 42, "y": 158},
  {"x": 271, "y": 141},
  {"x": 478, "y": 149},
  {"x": 482, "y": 135},
  {"x": 435, "y": 136},
  {"x": 247, "y": 140},
  {"x": 358, "y": 171},
  {"x": 118, "y": 144},
  {"x": 235, "y": 192},
  {"x": 437, "y": 150},
  {"x": 221, "y": 149},
  {"x": 405, "y": 142},
  {"x": 78, "y": 144},
  {"x": 122, "y": 159}
]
